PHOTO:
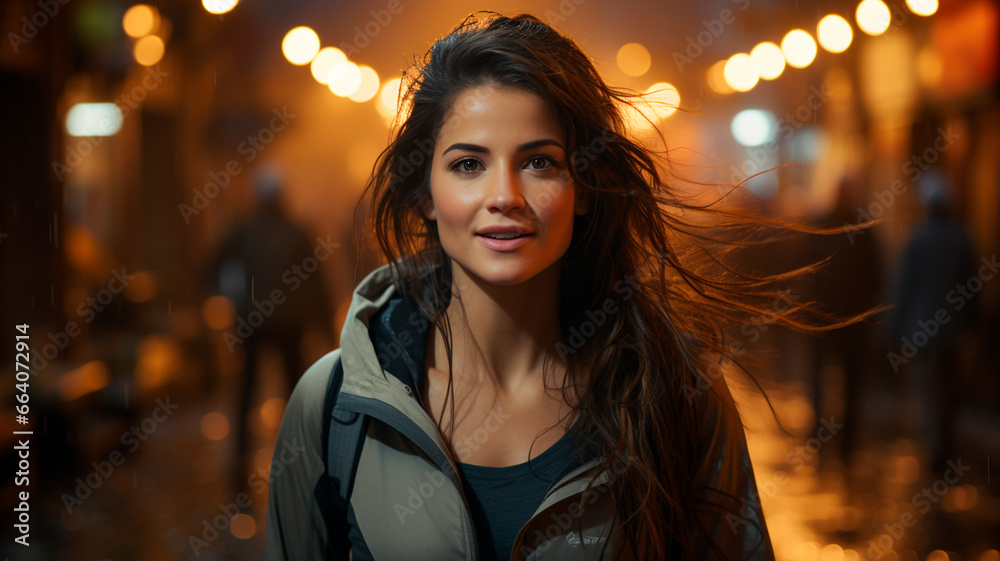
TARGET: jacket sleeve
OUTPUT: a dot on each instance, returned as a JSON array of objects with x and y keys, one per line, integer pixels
[
  {"x": 296, "y": 528},
  {"x": 731, "y": 515}
]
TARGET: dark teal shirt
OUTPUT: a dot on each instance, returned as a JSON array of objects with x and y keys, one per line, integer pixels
[{"x": 502, "y": 499}]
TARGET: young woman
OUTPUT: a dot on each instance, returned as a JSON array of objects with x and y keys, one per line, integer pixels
[{"x": 539, "y": 362}]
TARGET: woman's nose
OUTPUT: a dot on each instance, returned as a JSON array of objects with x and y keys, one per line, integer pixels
[{"x": 504, "y": 190}]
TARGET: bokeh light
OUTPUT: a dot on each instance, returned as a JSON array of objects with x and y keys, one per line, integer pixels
[
  {"x": 94, "y": 119},
  {"x": 149, "y": 50},
  {"x": 799, "y": 48},
  {"x": 300, "y": 45},
  {"x": 369, "y": 85},
  {"x": 84, "y": 380},
  {"x": 768, "y": 59},
  {"x": 219, "y": 6},
  {"x": 930, "y": 67},
  {"x": 922, "y": 7},
  {"x": 834, "y": 33},
  {"x": 218, "y": 312},
  {"x": 215, "y": 426},
  {"x": 633, "y": 59},
  {"x": 271, "y": 412},
  {"x": 386, "y": 105},
  {"x": 873, "y": 17},
  {"x": 140, "y": 20},
  {"x": 831, "y": 552},
  {"x": 753, "y": 127},
  {"x": 324, "y": 61},
  {"x": 664, "y": 99},
  {"x": 142, "y": 288},
  {"x": 242, "y": 526},
  {"x": 159, "y": 361},
  {"x": 344, "y": 78},
  {"x": 716, "y": 77},
  {"x": 740, "y": 72}
]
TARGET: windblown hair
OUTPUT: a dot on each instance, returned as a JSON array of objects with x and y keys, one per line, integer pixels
[{"x": 646, "y": 369}]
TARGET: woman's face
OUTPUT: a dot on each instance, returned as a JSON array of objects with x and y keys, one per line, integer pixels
[{"x": 499, "y": 188}]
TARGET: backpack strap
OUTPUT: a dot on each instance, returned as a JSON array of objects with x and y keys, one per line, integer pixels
[{"x": 343, "y": 432}]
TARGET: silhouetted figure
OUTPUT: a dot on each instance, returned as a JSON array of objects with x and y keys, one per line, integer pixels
[
  {"x": 934, "y": 295},
  {"x": 849, "y": 284},
  {"x": 270, "y": 268}
]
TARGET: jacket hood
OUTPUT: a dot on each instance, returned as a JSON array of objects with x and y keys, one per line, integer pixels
[{"x": 384, "y": 336}]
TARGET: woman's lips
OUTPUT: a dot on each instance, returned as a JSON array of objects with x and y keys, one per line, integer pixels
[{"x": 504, "y": 244}]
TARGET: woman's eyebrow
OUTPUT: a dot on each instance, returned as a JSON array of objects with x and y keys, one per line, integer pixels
[{"x": 520, "y": 148}]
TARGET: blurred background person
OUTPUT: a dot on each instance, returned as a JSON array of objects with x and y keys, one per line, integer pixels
[
  {"x": 931, "y": 315},
  {"x": 267, "y": 268},
  {"x": 843, "y": 359}
]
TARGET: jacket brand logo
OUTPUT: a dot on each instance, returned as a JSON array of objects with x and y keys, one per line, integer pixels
[{"x": 573, "y": 539}]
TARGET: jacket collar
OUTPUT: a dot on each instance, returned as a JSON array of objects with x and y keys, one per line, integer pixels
[
  {"x": 384, "y": 335},
  {"x": 399, "y": 333}
]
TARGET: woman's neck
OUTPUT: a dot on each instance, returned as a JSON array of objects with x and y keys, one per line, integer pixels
[{"x": 501, "y": 333}]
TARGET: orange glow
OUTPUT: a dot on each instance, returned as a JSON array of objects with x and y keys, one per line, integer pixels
[
  {"x": 215, "y": 426},
  {"x": 300, "y": 45},
  {"x": 243, "y": 526},
  {"x": 218, "y": 312},
  {"x": 873, "y": 17},
  {"x": 149, "y": 50},
  {"x": 262, "y": 460},
  {"x": 831, "y": 552},
  {"x": 386, "y": 105},
  {"x": 834, "y": 33},
  {"x": 799, "y": 48},
  {"x": 768, "y": 59},
  {"x": 219, "y": 6},
  {"x": 907, "y": 469},
  {"x": 633, "y": 59},
  {"x": 85, "y": 253},
  {"x": 716, "y": 78},
  {"x": 922, "y": 7},
  {"x": 86, "y": 379},
  {"x": 664, "y": 99},
  {"x": 159, "y": 361},
  {"x": 345, "y": 79},
  {"x": 271, "y": 412},
  {"x": 369, "y": 85},
  {"x": 740, "y": 72},
  {"x": 324, "y": 61},
  {"x": 142, "y": 288},
  {"x": 140, "y": 20}
]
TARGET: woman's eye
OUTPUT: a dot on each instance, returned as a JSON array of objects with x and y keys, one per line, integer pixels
[
  {"x": 467, "y": 165},
  {"x": 539, "y": 163}
]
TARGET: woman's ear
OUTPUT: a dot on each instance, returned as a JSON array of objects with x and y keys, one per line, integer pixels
[{"x": 427, "y": 205}]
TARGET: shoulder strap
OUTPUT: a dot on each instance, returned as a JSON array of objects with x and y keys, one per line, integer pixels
[{"x": 343, "y": 433}]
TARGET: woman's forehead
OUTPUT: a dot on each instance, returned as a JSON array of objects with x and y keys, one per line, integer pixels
[{"x": 498, "y": 114}]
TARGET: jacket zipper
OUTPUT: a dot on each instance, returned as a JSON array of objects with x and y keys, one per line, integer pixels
[{"x": 566, "y": 478}]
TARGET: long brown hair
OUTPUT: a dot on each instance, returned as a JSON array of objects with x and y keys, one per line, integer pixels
[{"x": 640, "y": 246}]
